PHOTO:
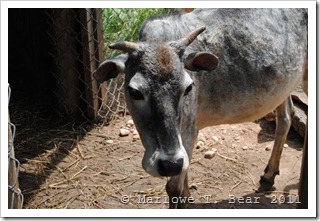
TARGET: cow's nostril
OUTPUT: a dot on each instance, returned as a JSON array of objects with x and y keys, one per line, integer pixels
[{"x": 170, "y": 168}]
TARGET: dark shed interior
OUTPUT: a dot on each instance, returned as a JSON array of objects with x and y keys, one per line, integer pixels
[{"x": 29, "y": 60}]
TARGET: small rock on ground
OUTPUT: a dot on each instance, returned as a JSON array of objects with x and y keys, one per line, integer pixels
[
  {"x": 215, "y": 138},
  {"x": 245, "y": 148},
  {"x": 210, "y": 153},
  {"x": 268, "y": 148},
  {"x": 109, "y": 141},
  {"x": 199, "y": 144},
  {"x": 130, "y": 123},
  {"x": 124, "y": 132},
  {"x": 135, "y": 137}
]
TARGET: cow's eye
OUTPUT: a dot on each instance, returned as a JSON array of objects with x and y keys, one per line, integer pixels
[
  {"x": 188, "y": 89},
  {"x": 135, "y": 94}
]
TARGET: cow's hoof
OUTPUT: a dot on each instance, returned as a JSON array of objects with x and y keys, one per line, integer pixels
[
  {"x": 183, "y": 206},
  {"x": 265, "y": 185}
]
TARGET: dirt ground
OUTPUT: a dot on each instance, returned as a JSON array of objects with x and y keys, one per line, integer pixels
[{"x": 96, "y": 168}]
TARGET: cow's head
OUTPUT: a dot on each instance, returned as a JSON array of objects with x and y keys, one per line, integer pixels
[{"x": 156, "y": 87}]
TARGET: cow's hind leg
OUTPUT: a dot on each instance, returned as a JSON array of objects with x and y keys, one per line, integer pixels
[
  {"x": 284, "y": 115},
  {"x": 178, "y": 191}
]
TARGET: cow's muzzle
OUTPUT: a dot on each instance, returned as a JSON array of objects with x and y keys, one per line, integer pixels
[{"x": 170, "y": 168}]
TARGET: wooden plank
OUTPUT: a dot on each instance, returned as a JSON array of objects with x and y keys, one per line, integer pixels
[
  {"x": 67, "y": 67},
  {"x": 89, "y": 63},
  {"x": 100, "y": 55}
]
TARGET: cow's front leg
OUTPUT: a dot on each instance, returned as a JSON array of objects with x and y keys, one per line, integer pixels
[{"x": 178, "y": 191}]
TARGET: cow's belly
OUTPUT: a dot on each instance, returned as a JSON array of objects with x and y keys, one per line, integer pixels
[
  {"x": 233, "y": 116},
  {"x": 237, "y": 107}
]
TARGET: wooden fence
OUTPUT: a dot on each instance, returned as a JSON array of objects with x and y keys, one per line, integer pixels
[{"x": 77, "y": 49}]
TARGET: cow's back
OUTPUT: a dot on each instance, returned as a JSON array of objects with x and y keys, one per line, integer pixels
[{"x": 262, "y": 54}]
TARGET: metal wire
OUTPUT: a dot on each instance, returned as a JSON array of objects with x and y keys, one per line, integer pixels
[
  {"x": 15, "y": 193},
  {"x": 79, "y": 40}
]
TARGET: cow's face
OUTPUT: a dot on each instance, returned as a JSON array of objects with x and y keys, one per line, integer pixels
[{"x": 156, "y": 87}]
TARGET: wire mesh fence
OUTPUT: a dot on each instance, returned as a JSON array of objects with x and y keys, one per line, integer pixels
[
  {"x": 121, "y": 24},
  {"x": 76, "y": 50},
  {"x": 80, "y": 39},
  {"x": 15, "y": 197}
]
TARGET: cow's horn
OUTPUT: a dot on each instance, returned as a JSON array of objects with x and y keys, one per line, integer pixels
[
  {"x": 184, "y": 42},
  {"x": 124, "y": 46}
]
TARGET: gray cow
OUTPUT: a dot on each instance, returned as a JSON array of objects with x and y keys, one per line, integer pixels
[{"x": 204, "y": 68}]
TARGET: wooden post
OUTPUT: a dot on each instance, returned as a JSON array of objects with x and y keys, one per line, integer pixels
[
  {"x": 303, "y": 185},
  {"x": 86, "y": 17},
  {"x": 100, "y": 55}
]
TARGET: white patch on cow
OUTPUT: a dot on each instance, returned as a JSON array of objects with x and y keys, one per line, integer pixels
[
  {"x": 152, "y": 156},
  {"x": 184, "y": 154},
  {"x": 187, "y": 80},
  {"x": 138, "y": 82},
  {"x": 150, "y": 161}
]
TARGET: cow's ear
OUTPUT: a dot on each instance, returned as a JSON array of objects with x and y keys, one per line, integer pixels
[
  {"x": 201, "y": 61},
  {"x": 110, "y": 68}
]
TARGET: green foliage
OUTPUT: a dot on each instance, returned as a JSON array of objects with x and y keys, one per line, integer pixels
[{"x": 123, "y": 24}]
